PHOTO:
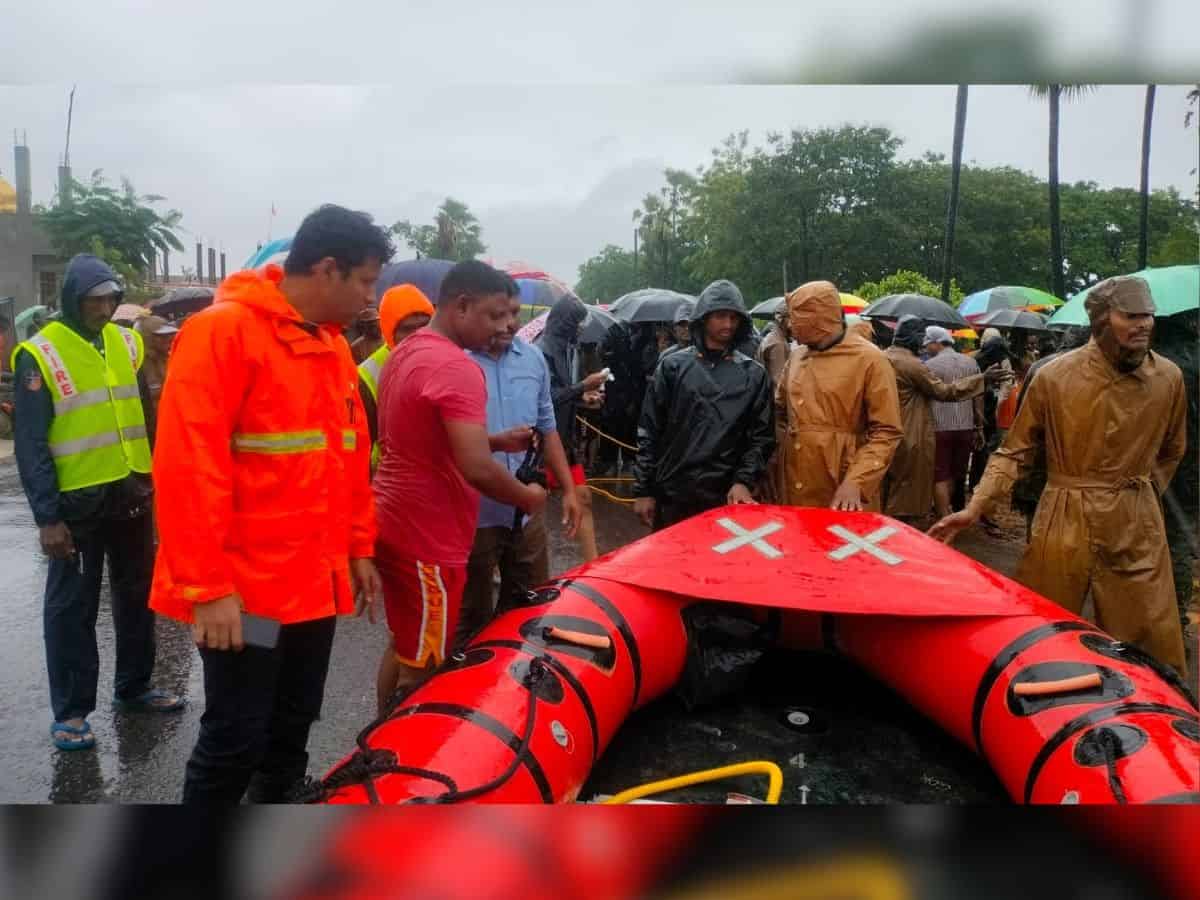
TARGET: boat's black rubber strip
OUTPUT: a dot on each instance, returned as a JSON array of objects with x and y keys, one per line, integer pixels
[
  {"x": 1106, "y": 646},
  {"x": 1003, "y": 659},
  {"x": 1188, "y": 798},
  {"x": 494, "y": 727},
  {"x": 622, "y": 625},
  {"x": 562, "y": 672},
  {"x": 1189, "y": 729},
  {"x": 1087, "y": 720}
]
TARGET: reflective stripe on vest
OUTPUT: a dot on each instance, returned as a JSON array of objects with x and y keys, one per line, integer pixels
[
  {"x": 98, "y": 434},
  {"x": 370, "y": 369},
  {"x": 349, "y": 440},
  {"x": 277, "y": 442}
]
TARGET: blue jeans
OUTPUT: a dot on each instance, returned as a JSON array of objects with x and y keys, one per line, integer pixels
[{"x": 73, "y": 603}]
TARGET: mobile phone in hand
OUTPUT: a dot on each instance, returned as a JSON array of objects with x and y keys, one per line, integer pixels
[{"x": 258, "y": 631}]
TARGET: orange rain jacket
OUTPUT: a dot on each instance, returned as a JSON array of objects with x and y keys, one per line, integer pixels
[{"x": 261, "y": 461}]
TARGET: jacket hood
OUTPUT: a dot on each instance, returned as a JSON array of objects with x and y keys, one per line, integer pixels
[
  {"x": 84, "y": 272},
  {"x": 910, "y": 333},
  {"x": 258, "y": 289},
  {"x": 718, "y": 296},
  {"x": 565, "y": 318}
]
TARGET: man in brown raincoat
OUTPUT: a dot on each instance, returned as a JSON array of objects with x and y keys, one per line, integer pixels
[
  {"x": 837, "y": 413},
  {"x": 773, "y": 351},
  {"x": 908, "y": 490},
  {"x": 1111, "y": 417}
]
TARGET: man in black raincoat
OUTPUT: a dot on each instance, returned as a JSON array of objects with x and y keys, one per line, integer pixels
[
  {"x": 1176, "y": 338},
  {"x": 559, "y": 342},
  {"x": 707, "y": 424}
]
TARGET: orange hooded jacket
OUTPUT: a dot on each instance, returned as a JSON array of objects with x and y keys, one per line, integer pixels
[{"x": 261, "y": 461}]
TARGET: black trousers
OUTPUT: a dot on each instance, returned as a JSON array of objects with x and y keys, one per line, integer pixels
[
  {"x": 259, "y": 707},
  {"x": 72, "y": 606}
]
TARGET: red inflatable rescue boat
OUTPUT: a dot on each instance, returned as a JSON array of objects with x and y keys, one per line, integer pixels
[{"x": 1061, "y": 712}]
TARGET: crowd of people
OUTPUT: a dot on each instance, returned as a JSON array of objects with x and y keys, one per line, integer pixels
[{"x": 268, "y": 476}]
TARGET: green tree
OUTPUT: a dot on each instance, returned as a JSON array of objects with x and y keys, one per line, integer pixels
[
  {"x": 907, "y": 282},
  {"x": 455, "y": 233},
  {"x": 837, "y": 204},
  {"x": 607, "y": 275},
  {"x": 117, "y": 224}
]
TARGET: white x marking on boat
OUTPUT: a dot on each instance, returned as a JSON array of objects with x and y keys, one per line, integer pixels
[
  {"x": 743, "y": 538},
  {"x": 865, "y": 543}
]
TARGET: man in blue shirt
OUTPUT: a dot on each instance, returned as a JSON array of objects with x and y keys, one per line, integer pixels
[{"x": 518, "y": 387}]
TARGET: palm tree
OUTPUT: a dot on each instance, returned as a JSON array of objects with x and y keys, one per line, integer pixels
[
  {"x": 960, "y": 126},
  {"x": 1054, "y": 93},
  {"x": 1144, "y": 219}
]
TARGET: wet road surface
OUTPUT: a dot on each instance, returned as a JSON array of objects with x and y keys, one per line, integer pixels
[{"x": 868, "y": 747}]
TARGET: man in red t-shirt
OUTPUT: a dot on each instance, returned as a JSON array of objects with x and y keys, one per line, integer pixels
[{"x": 436, "y": 460}]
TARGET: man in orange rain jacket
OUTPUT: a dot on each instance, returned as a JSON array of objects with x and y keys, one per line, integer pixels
[{"x": 263, "y": 501}]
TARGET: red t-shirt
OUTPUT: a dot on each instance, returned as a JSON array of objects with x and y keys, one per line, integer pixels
[{"x": 425, "y": 507}]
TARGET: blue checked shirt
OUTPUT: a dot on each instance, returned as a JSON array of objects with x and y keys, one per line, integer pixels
[{"x": 518, "y": 388}]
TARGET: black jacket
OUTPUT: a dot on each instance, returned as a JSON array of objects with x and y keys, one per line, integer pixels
[
  {"x": 707, "y": 422},
  {"x": 558, "y": 343},
  {"x": 33, "y": 413}
]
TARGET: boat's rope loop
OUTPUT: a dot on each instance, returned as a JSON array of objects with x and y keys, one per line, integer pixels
[{"x": 368, "y": 763}]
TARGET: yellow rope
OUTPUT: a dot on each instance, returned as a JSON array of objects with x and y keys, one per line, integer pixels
[
  {"x": 618, "y": 480},
  {"x": 759, "y": 767},
  {"x": 608, "y": 437},
  {"x": 613, "y": 497}
]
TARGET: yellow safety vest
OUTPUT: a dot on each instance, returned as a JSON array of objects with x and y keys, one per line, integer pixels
[
  {"x": 369, "y": 371},
  {"x": 99, "y": 430}
]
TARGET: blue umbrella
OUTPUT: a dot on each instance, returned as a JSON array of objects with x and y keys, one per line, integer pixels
[{"x": 272, "y": 252}]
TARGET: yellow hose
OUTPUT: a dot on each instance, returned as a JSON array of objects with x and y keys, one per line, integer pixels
[{"x": 758, "y": 767}]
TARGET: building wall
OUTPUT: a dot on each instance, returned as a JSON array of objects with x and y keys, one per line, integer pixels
[{"x": 25, "y": 252}]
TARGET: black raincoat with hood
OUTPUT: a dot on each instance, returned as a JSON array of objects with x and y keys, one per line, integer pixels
[
  {"x": 707, "y": 422},
  {"x": 34, "y": 412},
  {"x": 559, "y": 342}
]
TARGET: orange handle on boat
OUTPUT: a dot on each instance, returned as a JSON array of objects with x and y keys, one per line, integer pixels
[
  {"x": 1040, "y": 688},
  {"x": 582, "y": 639}
]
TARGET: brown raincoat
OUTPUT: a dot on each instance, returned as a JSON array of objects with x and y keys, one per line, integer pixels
[
  {"x": 1112, "y": 442},
  {"x": 909, "y": 486},
  {"x": 773, "y": 353},
  {"x": 837, "y": 414}
]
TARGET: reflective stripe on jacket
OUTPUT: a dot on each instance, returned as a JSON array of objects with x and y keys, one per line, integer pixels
[
  {"x": 261, "y": 467},
  {"x": 98, "y": 434}
]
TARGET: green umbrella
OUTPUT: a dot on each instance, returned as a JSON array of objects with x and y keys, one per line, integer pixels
[
  {"x": 24, "y": 316},
  {"x": 1175, "y": 289}
]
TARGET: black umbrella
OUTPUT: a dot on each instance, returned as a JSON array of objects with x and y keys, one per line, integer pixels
[
  {"x": 1017, "y": 319},
  {"x": 650, "y": 305},
  {"x": 932, "y": 310},
  {"x": 767, "y": 309},
  {"x": 182, "y": 301},
  {"x": 426, "y": 274}
]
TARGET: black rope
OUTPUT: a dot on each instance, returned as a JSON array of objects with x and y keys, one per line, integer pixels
[
  {"x": 368, "y": 763},
  {"x": 1111, "y": 744},
  {"x": 537, "y": 671}
]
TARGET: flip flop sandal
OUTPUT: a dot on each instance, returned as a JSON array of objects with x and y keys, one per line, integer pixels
[
  {"x": 150, "y": 701},
  {"x": 84, "y": 731}
]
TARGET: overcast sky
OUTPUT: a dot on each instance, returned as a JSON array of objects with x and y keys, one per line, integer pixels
[{"x": 553, "y": 172}]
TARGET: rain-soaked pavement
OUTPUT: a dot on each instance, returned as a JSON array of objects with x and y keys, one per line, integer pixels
[{"x": 862, "y": 746}]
